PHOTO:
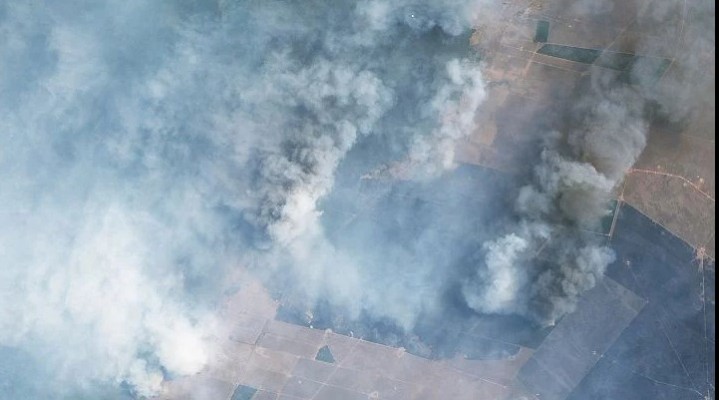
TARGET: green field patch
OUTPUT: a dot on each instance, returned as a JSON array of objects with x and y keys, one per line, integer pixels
[
  {"x": 576, "y": 54},
  {"x": 617, "y": 61},
  {"x": 243, "y": 393},
  {"x": 542, "y": 33},
  {"x": 606, "y": 223},
  {"x": 635, "y": 69},
  {"x": 647, "y": 70},
  {"x": 325, "y": 355}
]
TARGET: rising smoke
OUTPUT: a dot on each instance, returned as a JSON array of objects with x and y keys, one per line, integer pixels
[
  {"x": 570, "y": 191},
  {"x": 581, "y": 168},
  {"x": 149, "y": 149}
]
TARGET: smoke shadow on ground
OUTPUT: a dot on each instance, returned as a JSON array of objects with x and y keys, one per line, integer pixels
[{"x": 422, "y": 238}]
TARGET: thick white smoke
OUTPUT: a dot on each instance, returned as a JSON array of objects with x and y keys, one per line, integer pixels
[
  {"x": 301, "y": 171},
  {"x": 456, "y": 105},
  {"x": 149, "y": 147}
]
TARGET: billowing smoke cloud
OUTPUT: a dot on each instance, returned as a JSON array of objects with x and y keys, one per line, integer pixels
[
  {"x": 570, "y": 191},
  {"x": 150, "y": 147},
  {"x": 541, "y": 267}
]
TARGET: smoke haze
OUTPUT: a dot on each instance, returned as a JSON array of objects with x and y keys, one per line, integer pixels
[{"x": 150, "y": 149}]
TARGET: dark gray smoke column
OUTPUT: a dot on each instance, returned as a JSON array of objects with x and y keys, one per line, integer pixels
[
  {"x": 569, "y": 194},
  {"x": 600, "y": 133}
]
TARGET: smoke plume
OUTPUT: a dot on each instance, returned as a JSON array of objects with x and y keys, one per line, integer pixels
[
  {"x": 569, "y": 194},
  {"x": 541, "y": 267},
  {"x": 151, "y": 149}
]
